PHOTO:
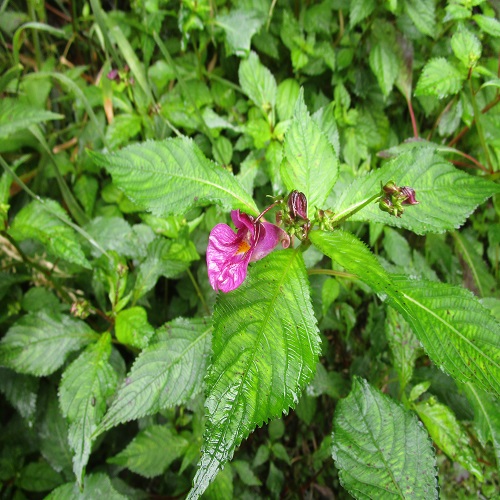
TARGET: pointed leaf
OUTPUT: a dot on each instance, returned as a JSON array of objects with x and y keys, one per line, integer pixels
[
  {"x": 440, "y": 78},
  {"x": 258, "y": 83},
  {"x": 173, "y": 176},
  {"x": 385, "y": 65},
  {"x": 168, "y": 372},
  {"x": 360, "y": 9},
  {"x": 423, "y": 15},
  {"x": 95, "y": 486},
  {"x": 38, "y": 344},
  {"x": 447, "y": 433},
  {"x": 265, "y": 349},
  {"x": 21, "y": 392},
  {"x": 38, "y": 221},
  {"x": 15, "y": 116},
  {"x": 458, "y": 333},
  {"x": 380, "y": 449},
  {"x": 132, "y": 327},
  {"x": 310, "y": 164},
  {"x": 85, "y": 386},
  {"x": 151, "y": 451},
  {"x": 486, "y": 417},
  {"x": 240, "y": 25},
  {"x": 466, "y": 46},
  {"x": 447, "y": 196}
]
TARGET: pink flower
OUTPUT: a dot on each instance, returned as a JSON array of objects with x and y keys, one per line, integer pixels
[
  {"x": 409, "y": 194},
  {"x": 228, "y": 254}
]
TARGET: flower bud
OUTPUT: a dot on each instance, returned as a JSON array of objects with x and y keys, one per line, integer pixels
[
  {"x": 390, "y": 188},
  {"x": 297, "y": 205},
  {"x": 409, "y": 195}
]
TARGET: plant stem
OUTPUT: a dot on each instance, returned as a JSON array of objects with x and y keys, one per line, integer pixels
[
  {"x": 331, "y": 272},
  {"x": 337, "y": 219},
  {"x": 198, "y": 292},
  {"x": 479, "y": 126},
  {"x": 412, "y": 117}
]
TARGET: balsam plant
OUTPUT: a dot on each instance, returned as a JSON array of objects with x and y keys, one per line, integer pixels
[{"x": 341, "y": 335}]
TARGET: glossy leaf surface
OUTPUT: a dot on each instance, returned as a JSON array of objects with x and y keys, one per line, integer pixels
[
  {"x": 265, "y": 349},
  {"x": 380, "y": 449},
  {"x": 173, "y": 176}
]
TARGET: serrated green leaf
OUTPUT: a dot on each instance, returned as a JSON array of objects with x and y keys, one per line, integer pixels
[
  {"x": 38, "y": 476},
  {"x": 466, "y": 46},
  {"x": 447, "y": 196},
  {"x": 16, "y": 116},
  {"x": 94, "y": 486},
  {"x": 168, "y": 372},
  {"x": 258, "y": 83},
  {"x": 380, "y": 449},
  {"x": 310, "y": 164},
  {"x": 288, "y": 92},
  {"x": 385, "y": 65},
  {"x": 239, "y": 26},
  {"x": 456, "y": 330},
  {"x": 486, "y": 417},
  {"x": 21, "y": 391},
  {"x": 360, "y": 9},
  {"x": 151, "y": 451},
  {"x": 423, "y": 15},
  {"x": 172, "y": 176},
  {"x": 44, "y": 222},
  {"x": 447, "y": 433},
  {"x": 440, "y": 78},
  {"x": 132, "y": 327},
  {"x": 265, "y": 350},
  {"x": 404, "y": 345},
  {"x": 487, "y": 24},
  {"x": 85, "y": 386},
  {"x": 37, "y": 344}
]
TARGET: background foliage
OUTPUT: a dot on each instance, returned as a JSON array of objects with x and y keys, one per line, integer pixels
[{"x": 128, "y": 131}]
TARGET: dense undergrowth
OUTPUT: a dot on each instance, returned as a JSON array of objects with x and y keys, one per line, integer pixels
[{"x": 362, "y": 359}]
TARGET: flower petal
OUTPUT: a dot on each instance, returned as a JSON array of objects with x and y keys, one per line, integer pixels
[
  {"x": 267, "y": 238},
  {"x": 243, "y": 221},
  {"x": 226, "y": 263}
]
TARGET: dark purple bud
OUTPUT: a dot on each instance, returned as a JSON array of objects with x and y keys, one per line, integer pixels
[
  {"x": 390, "y": 188},
  {"x": 113, "y": 75},
  {"x": 297, "y": 205},
  {"x": 409, "y": 195}
]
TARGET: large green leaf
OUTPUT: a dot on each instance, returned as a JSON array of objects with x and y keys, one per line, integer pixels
[
  {"x": 151, "y": 451},
  {"x": 385, "y": 65},
  {"x": 15, "y": 116},
  {"x": 486, "y": 417},
  {"x": 458, "y": 333},
  {"x": 265, "y": 349},
  {"x": 310, "y": 164},
  {"x": 258, "y": 83},
  {"x": 45, "y": 223},
  {"x": 380, "y": 449},
  {"x": 447, "y": 196},
  {"x": 173, "y": 176},
  {"x": 168, "y": 372},
  {"x": 239, "y": 26},
  {"x": 85, "y": 386},
  {"x": 439, "y": 78},
  {"x": 37, "y": 344},
  {"x": 448, "y": 434}
]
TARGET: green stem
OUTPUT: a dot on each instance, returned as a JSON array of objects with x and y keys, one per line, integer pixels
[
  {"x": 337, "y": 219},
  {"x": 479, "y": 125},
  {"x": 331, "y": 272},
  {"x": 198, "y": 292},
  {"x": 36, "y": 38}
]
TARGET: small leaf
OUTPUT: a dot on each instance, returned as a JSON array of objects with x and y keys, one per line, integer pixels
[
  {"x": 447, "y": 433},
  {"x": 85, "y": 386},
  {"x": 288, "y": 92},
  {"x": 38, "y": 476},
  {"x": 151, "y": 451},
  {"x": 360, "y": 9},
  {"x": 486, "y": 417},
  {"x": 94, "y": 486},
  {"x": 239, "y": 26},
  {"x": 258, "y": 83},
  {"x": 132, "y": 327},
  {"x": 45, "y": 223},
  {"x": 172, "y": 176},
  {"x": 440, "y": 78},
  {"x": 21, "y": 392},
  {"x": 423, "y": 15},
  {"x": 310, "y": 164},
  {"x": 487, "y": 24},
  {"x": 266, "y": 347},
  {"x": 16, "y": 116},
  {"x": 447, "y": 196},
  {"x": 380, "y": 449},
  {"x": 168, "y": 372},
  {"x": 246, "y": 474},
  {"x": 385, "y": 65},
  {"x": 37, "y": 344},
  {"x": 466, "y": 47}
]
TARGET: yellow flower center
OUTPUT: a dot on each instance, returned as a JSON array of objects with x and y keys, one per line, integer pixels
[{"x": 243, "y": 248}]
